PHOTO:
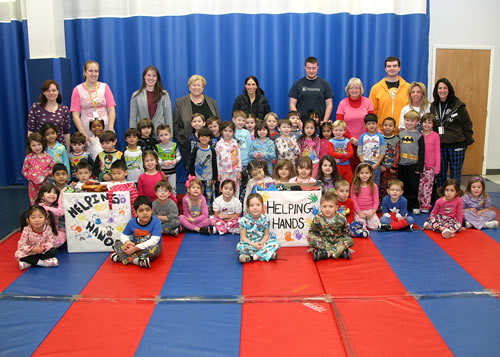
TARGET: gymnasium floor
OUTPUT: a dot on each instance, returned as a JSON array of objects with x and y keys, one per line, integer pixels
[{"x": 401, "y": 294}]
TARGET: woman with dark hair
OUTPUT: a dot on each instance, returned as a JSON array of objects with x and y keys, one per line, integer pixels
[
  {"x": 253, "y": 100},
  {"x": 49, "y": 109},
  {"x": 151, "y": 100},
  {"x": 92, "y": 100},
  {"x": 454, "y": 129}
]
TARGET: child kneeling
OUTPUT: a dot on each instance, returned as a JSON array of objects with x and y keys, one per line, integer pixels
[
  {"x": 140, "y": 241},
  {"x": 329, "y": 235},
  {"x": 255, "y": 242}
]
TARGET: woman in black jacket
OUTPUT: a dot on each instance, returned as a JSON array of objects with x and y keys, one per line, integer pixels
[
  {"x": 253, "y": 100},
  {"x": 454, "y": 129}
]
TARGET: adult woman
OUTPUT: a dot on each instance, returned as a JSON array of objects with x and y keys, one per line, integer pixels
[
  {"x": 92, "y": 100},
  {"x": 417, "y": 101},
  {"x": 49, "y": 109},
  {"x": 185, "y": 107},
  {"x": 455, "y": 130},
  {"x": 353, "y": 110},
  {"x": 151, "y": 100},
  {"x": 253, "y": 100}
]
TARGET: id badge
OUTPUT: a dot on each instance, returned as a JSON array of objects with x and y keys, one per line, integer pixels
[
  {"x": 95, "y": 115},
  {"x": 441, "y": 130}
]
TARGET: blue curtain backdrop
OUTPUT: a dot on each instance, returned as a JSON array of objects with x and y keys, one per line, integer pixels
[{"x": 225, "y": 49}]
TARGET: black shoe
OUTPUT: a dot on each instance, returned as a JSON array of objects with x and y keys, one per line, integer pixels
[
  {"x": 385, "y": 228},
  {"x": 410, "y": 228},
  {"x": 346, "y": 254},
  {"x": 205, "y": 230},
  {"x": 320, "y": 254}
]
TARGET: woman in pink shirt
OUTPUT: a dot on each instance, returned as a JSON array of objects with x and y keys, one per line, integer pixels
[
  {"x": 92, "y": 100},
  {"x": 353, "y": 110}
]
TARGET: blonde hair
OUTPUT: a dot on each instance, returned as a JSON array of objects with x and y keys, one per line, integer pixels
[
  {"x": 271, "y": 114},
  {"x": 425, "y": 101},
  {"x": 354, "y": 82},
  {"x": 412, "y": 115},
  {"x": 339, "y": 124},
  {"x": 197, "y": 77}
]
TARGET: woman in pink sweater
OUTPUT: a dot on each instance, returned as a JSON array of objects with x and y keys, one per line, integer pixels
[{"x": 447, "y": 215}]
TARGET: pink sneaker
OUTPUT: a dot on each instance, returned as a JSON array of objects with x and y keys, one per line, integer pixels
[
  {"x": 23, "y": 265},
  {"x": 447, "y": 233}
]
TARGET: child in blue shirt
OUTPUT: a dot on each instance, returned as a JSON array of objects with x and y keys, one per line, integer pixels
[
  {"x": 140, "y": 241},
  {"x": 395, "y": 209}
]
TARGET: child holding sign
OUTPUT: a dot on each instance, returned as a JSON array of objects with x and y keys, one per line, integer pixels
[
  {"x": 255, "y": 242},
  {"x": 140, "y": 241},
  {"x": 329, "y": 233}
]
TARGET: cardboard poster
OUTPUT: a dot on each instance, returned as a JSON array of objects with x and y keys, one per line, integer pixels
[{"x": 91, "y": 226}]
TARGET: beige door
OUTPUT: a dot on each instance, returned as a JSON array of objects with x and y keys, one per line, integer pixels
[{"x": 468, "y": 71}]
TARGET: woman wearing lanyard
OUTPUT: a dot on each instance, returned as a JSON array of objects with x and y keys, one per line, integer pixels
[
  {"x": 454, "y": 128},
  {"x": 92, "y": 100}
]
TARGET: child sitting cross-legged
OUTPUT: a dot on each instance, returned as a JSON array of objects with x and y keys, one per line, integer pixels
[
  {"x": 227, "y": 210},
  {"x": 166, "y": 209},
  {"x": 345, "y": 206},
  {"x": 329, "y": 233},
  {"x": 194, "y": 206},
  {"x": 255, "y": 240},
  {"x": 140, "y": 241},
  {"x": 394, "y": 208}
]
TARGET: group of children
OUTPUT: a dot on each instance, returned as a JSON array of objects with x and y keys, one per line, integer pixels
[{"x": 237, "y": 159}]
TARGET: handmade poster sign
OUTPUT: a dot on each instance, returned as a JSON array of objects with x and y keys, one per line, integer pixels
[
  {"x": 91, "y": 226},
  {"x": 291, "y": 214}
]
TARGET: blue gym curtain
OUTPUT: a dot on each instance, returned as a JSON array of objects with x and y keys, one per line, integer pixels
[{"x": 225, "y": 48}]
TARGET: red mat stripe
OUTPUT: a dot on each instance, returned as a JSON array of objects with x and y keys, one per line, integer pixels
[
  {"x": 379, "y": 316},
  {"x": 8, "y": 264},
  {"x": 281, "y": 329},
  {"x": 112, "y": 326},
  {"x": 476, "y": 252}
]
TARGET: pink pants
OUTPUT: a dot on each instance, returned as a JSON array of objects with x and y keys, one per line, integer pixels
[
  {"x": 425, "y": 188},
  {"x": 370, "y": 223},
  {"x": 223, "y": 226},
  {"x": 199, "y": 222}
]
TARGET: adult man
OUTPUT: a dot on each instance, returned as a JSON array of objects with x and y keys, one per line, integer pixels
[
  {"x": 390, "y": 94},
  {"x": 311, "y": 93}
]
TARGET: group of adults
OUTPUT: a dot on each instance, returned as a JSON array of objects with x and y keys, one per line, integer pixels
[{"x": 392, "y": 97}]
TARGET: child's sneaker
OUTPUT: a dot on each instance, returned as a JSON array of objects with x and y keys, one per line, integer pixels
[
  {"x": 114, "y": 258},
  {"x": 245, "y": 258},
  {"x": 491, "y": 224},
  {"x": 447, "y": 233},
  {"x": 320, "y": 254},
  {"x": 24, "y": 265},
  {"x": 274, "y": 256},
  {"x": 385, "y": 228},
  {"x": 214, "y": 230},
  {"x": 346, "y": 254},
  {"x": 427, "y": 225},
  {"x": 416, "y": 211},
  {"x": 145, "y": 263},
  {"x": 175, "y": 232},
  {"x": 205, "y": 230},
  {"x": 48, "y": 263},
  {"x": 468, "y": 225},
  {"x": 410, "y": 228},
  {"x": 424, "y": 210}
]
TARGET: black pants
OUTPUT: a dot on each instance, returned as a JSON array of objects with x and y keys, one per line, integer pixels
[
  {"x": 411, "y": 181},
  {"x": 33, "y": 259}
]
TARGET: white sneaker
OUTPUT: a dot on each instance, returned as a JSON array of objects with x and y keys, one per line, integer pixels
[
  {"x": 24, "y": 265},
  {"x": 468, "y": 225},
  {"x": 416, "y": 211},
  {"x": 447, "y": 233},
  {"x": 424, "y": 210},
  {"x": 48, "y": 263},
  {"x": 491, "y": 224},
  {"x": 427, "y": 225}
]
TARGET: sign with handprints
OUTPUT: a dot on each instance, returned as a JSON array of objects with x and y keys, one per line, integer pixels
[
  {"x": 291, "y": 214},
  {"x": 91, "y": 225}
]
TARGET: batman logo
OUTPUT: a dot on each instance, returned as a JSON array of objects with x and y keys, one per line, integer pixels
[{"x": 407, "y": 139}]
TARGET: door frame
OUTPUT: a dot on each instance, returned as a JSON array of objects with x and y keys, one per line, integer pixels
[{"x": 490, "y": 85}]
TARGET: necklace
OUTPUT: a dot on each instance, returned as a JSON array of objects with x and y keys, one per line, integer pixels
[
  {"x": 93, "y": 98},
  {"x": 199, "y": 104}
]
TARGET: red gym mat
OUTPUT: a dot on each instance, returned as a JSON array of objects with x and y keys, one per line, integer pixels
[
  {"x": 112, "y": 326},
  {"x": 476, "y": 252},
  {"x": 8, "y": 264}
]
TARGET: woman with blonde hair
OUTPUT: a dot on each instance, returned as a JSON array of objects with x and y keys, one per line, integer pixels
[{"x": 417, "y": 101}]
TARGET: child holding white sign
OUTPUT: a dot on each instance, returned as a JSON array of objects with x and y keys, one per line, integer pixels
[
  {"x": 140, "y": 241},
  {"x": 255, "y": 241},
  {"x": 329, "y": 235}
]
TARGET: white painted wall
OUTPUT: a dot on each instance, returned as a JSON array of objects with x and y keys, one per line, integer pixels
[{"x": 471, "y": 23}]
